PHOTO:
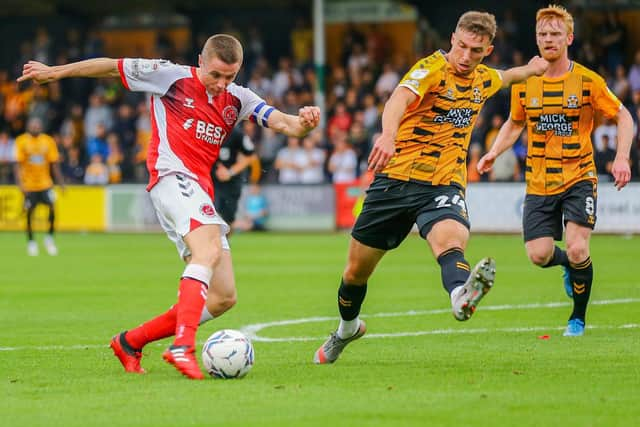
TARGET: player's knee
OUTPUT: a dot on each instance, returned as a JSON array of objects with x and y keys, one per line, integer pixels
[
  {"x": 539, "y": 258},
  {"x": 577, "y": 252}
]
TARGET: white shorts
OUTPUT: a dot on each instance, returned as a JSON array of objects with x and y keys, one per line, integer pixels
[{"x": 182, "y": 205}]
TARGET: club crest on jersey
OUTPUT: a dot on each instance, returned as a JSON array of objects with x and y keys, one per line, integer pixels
[
  {"x": 207, "y": 210},
  {"x": 188, "y": 102},
  {"x": 572, "y": 101},
  {"x": 230, "y": 114},
  {"x": 476, "y": 97}
]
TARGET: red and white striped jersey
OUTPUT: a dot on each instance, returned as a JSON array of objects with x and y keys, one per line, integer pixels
[{"x": 188, "y": 124}]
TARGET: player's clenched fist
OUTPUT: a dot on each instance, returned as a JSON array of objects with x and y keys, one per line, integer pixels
[
  {"x": 36, "y": 71},
  {"x": 309, "y": 117}
]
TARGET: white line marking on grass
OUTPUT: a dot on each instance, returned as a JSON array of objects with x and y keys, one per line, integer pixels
[{"x": 252, "y": 330}]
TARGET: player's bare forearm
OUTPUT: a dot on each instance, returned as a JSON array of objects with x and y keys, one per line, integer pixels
[
  {"x": 96, "y": 67},
  {"x": 18, "y": 176},
  {"x": 384, "y": 146},
  {"x": 621, "y": 169},
  {"x": 507, "y": 136},
  {"x": 536, "y": 67},
  {"x": 307, "y": 119}
]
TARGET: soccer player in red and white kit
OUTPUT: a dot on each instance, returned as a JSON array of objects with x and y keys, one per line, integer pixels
[{"x": 193, "y": 110}]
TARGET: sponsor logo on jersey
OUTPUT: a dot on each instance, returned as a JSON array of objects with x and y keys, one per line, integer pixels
[
  {"x": 557, "y": 123},
  {"x": 188, "y": 102},
  {"x": 419, "y": 74},
  {"x": 210, "y": 133},
  {"x": 230, "y": 114},
  {"x": 188, "y": 123},
  {"x": 207, "y": 209},
  {"x": 458, "y": 117}
]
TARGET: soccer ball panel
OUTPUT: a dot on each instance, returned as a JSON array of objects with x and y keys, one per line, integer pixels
[{"x": 227, "y": 354}]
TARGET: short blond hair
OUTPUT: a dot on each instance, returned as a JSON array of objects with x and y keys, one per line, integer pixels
[
  {"x": 480, "y": 23},
  {"x": 223, "y": 46},
  {"x": 554, "y": 11}
]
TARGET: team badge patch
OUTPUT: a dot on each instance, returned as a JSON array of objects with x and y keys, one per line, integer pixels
[
  {"x": 230, "y": 114},
  {"x": 207, "y": 210}
]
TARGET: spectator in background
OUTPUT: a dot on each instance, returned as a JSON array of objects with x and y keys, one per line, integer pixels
[
  {"x": 97, "y": 143},
  {"x": 634, "y": 73},
  {"x": 505, "y": 168},
  {"x": 73, "y": 125},
  {"x": 285, "y": 78},
  {"x": 387, "y": 81},
  {"x": 97, "y": 112},
  {"x": 255, "y": 213},
  {"x": 7, "y": 157},
  {"x": 269, "y": 145},
  {"x": 371, "y": 112},
  {"x": 97, "y": 172},
  {"x": 621, "y": 85},
  {"x": 340, "y": 120},
  {"x": 605, "y": 135},
  {"x": 312, "y": 164},
  {"x": 613, "y": 37},
  {"x": 73, "y": 166},
  {"x": 289, "y": 162},
  {"x": 496, "y": 122},
  {"x": 343, "y": 162},
  {"x": 114, "y": 158}
]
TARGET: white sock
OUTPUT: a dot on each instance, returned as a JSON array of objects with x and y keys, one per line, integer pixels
[
  {"x": 348, "y": 328},
  {"x": 205, "y": 316}
]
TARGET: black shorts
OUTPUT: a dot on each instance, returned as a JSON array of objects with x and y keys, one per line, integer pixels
[
  {"x": 227, "y": 195},
  {"x": 391, "y": 207},
  {"x": 545, "y": 216},
  {"x": 34, "y": 198}
]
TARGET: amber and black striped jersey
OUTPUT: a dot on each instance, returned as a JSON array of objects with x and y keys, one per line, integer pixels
[
  {"x": 434, "y": 133},
  {"x": 34, "y": 155},
  {"x": 559, "y": 118}
]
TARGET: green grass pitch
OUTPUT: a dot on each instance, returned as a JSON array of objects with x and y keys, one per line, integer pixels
[{"x": 417, "y": 366}]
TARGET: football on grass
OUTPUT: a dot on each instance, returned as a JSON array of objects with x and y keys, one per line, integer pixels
[{"x": 227, "y": 354}]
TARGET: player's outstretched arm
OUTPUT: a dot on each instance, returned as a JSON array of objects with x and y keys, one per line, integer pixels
[
  {"x": 384, "y": 146},
  {"x": 307, "y": 119},
  {"x": 507, "y": 136},
  {"x": 621, "y": 169},
  {"x": 41, "y": 73},
  {"x": 536, "y": 67}
]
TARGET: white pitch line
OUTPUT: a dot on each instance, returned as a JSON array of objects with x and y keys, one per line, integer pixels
[
  {"x": 448, "y": 332},
  {"x": 252, "y": 330}
]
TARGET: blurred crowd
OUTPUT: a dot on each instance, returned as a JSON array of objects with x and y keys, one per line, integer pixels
[{"x": 102, "y": 130}]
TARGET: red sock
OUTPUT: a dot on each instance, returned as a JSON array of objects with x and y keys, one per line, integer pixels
[
  {"x": 191, "y": 300},
  {"x": 155, "y": 329}
]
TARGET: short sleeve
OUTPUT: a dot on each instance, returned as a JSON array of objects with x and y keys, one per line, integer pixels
[
  {"x": 150, "y": 75},
  {"x": 603, "y": 99},
  {"x": 517, "y": 110},
  {"x": 252, "y": 107},
  {"x": 493, "y": 83},
  {"x": 420, "y": 78}
]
